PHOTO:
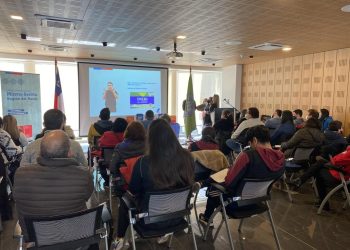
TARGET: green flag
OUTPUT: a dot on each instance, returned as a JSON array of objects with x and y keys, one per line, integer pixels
[{"x": 190, "y": 108}]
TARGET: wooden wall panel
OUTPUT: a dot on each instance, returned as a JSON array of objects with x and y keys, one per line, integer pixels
[
  {"x": 263, "y": 88},
  {"x": 244, "y": 92},
  {"x": 250, "y": 84},
  {"x": 287, "y": 83},
  {"x": 270, "y": 89},
  {"x": 305, "y": 88},
  {"x": 341, "y": 87},
  {"x": 278, "y": 84},
  {"x": 330, "y": 59},
  {"x": 317, "y": 79},
  {"x": 310, "y": 81},
  {"x": 256, "y": 85},
  {"x": 296, "y": 82}
]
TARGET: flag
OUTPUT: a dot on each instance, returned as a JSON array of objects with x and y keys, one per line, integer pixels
[
  {"x": 190, "y": 108},
  {"x": 58, "y": 104}
]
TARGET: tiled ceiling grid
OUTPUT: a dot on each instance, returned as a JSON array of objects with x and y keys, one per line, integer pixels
[{"x": 307, "y": 26}]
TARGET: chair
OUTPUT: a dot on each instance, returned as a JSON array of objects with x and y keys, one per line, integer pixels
[
  {"x": 301, "y": 160},
  {"x": 251, "y": 200},
  {"x": 65, "y": 231},
  {"x": 161, "y": 207},
  {"x": 176, "y": 128},
  {"x": 106, "y": 157},
  {"x": 343, "y": 185}
]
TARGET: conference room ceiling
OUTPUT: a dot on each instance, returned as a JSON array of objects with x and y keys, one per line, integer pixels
[{"x": 223, "y": 28}]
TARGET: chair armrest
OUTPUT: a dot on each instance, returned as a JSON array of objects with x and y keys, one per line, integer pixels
[
  {"x": 221, "y": 188},
  {"x": 17, "y": 232},
  {"x": 218, "y": 190},
  {"x": 129, "y": 200}
]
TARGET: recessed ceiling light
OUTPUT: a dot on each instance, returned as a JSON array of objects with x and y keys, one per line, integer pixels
[
  {"x": 286, "y": 49},
  {"x": 346, "y": 8},
  {"x": 89, "y": 43},
  {"x": 117, "y": 29},
  {"x": 181, "y": 37},
  {"x": 33, "y": 39},
  {"x": 233, "y": 43},
  {"x": 16, "y": 17}
]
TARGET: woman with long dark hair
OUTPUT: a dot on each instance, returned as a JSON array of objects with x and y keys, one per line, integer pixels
[
  {"x": 165, "y": 166},
  {"x": 285, "y": 130}
]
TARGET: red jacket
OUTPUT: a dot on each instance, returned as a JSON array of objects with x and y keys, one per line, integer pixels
[
  {"x": 110, "y": 139},
  {"x": 342, "y": 159}
]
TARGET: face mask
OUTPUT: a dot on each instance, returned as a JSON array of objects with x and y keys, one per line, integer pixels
[
  {"x": 246, "y": 116},
  {"x": 294, "y": 117}
]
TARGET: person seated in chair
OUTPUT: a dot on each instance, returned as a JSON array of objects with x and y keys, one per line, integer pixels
[
  {"x": 207, "y": 142},
  {"x": 223, "y": 129},
  {"x": 275, "y": 121},
  {"x": 149, "y": 117},
  {"x": 326, "y": 178},
  {"x": 53, "y": 120},
  {"x": 284, "y": 131},
  {"x": 238, "y": 135},
  {"x": 335, "y": 143},
  {"x": 325, "y": 119},
  {"x": 298, "y": 118},
  {"x": 310, "y": 136},
  {"x": 260, "y": 161},
  {"x": 55, "y": 184},
  {"x": 167, "y": 166},
  {"x": 101, "y": 126}
]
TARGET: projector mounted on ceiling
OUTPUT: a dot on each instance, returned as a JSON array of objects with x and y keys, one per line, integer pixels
[
  {"x": 174, "y": 54},
  {"x": 267, "y": 46},
  {"x": 58, "y": 22}
]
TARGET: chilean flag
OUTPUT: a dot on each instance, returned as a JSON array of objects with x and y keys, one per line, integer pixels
[{"x": 58, "y": 104}]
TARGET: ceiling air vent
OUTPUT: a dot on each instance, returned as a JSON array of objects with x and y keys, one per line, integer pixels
[
  {"x": 52, "y": 47},
  {"x": 58, "y": 22},
  {"x": 267, "y": 46}
]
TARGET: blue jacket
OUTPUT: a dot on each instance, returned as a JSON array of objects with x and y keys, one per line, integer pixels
[
  {"x": 282, "y": 133},
  {"x": 326, "y": 122}
]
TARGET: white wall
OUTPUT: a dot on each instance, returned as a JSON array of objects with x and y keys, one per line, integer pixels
[{"x": 231, "y": 86}]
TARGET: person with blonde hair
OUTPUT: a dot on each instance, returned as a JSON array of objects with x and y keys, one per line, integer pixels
[{"x": 10, "y": 126}]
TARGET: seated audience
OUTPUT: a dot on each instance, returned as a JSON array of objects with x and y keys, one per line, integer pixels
[
  {"x": 7, "y": 144},
  {"x": 166, "y": 166},
  {"x": 166, "y": 117},
  {"x": 284, "y": 131},
  {"x": 238, "y": 137},
  {"x": 312, "y": 113},
  {"x": 275, "y": 121},
  {"x": 223, "y": 129},
  {"x": 101, "y": 126},
  {"x": 310, "y": 136},
  {"x": 335, "y": 143},
  {"x": 149, "y": 117},
  {"x": 53, "y": 120},
  {"x": 10, "y": 126},
  {"x": 325, "y": 177},
  {"x": 110, "y": 139},
  {"x": 66, "y": 128},
  {"x": 133, "y": 145},
  {"x": 116, "y": 136},
  {"x": 243, "y": 115},
  {"x": 325, "y": 119},
  {"x": 298, "y": 118},
  {"x": 207, "y": 142},
  {"x": 260, "y": 161},
  {"x": 54, "y": 185}
]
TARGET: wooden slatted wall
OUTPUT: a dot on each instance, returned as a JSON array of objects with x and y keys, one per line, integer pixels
[{"x": 317, "y": 81}]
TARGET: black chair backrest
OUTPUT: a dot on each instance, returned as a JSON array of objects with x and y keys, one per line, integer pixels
[
  {"x": 95, "y": 141},
  {"x": 253, "y": 191},
  {"x": 241, "y": 138},
  {"x": 107, "y": 154},
  {"x": 302, "y": 154},
  {"x": 64, "y": 230},
  {"x": 167, "y": 205}
]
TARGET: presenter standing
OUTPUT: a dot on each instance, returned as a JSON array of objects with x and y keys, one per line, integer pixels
[{"x": 110, "y": 96}]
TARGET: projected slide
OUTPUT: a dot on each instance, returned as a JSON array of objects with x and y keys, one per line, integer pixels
[{"x": 124, "y": 91}]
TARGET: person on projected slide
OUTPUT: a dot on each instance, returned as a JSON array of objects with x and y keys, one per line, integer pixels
[{"x": 111, "y": 96}]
